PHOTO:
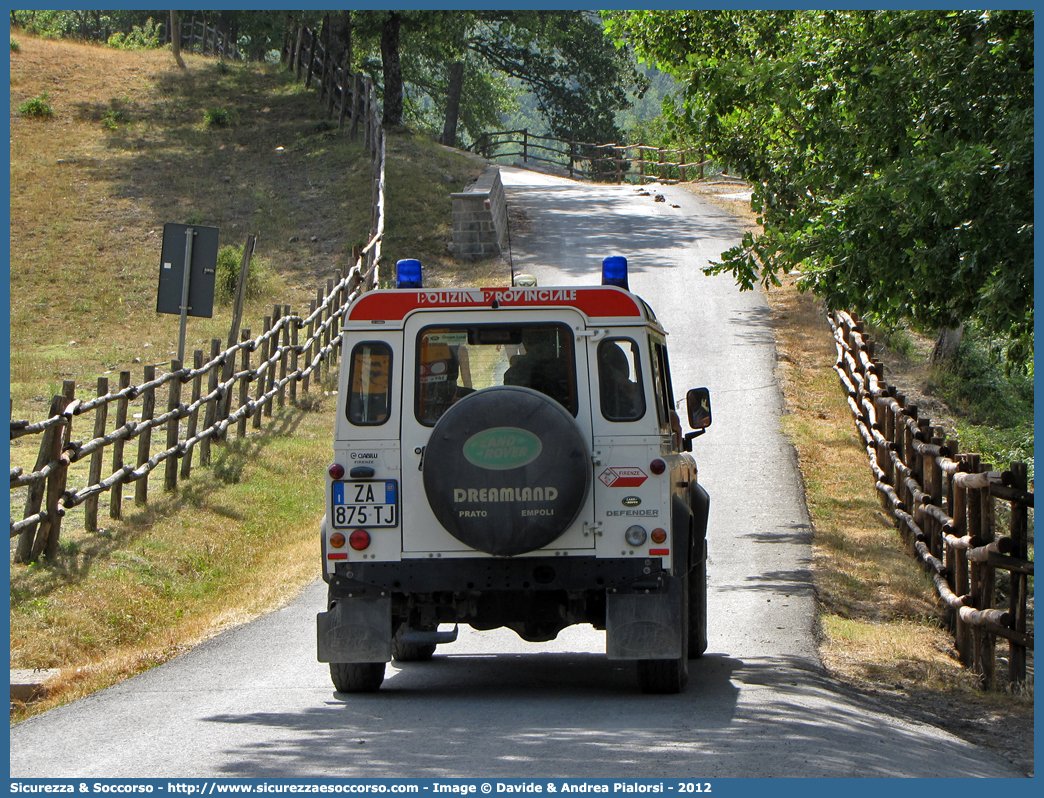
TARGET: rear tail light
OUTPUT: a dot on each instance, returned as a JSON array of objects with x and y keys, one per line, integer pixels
[
  {"x": 336, "y": 471},
  {"x": 359, "y": 539},
  {"x": 658, "y": 535},
  {"x": 657, "y": 466},
  {"x": 337, "y": 540}
]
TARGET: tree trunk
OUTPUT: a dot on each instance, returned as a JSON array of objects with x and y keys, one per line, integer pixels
[
  {"x": 175, "y": 39},
  {"x": 393, "y": 107},
  {"x": 453, "y": 92},
  {"x": 946, "y": 344}
]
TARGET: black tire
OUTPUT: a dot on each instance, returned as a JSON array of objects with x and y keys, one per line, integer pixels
[
  {"x": 410, "y": 652},
  {"x": 668, "y": 676},
  {"x": 519, "y": 446},
  {"x": 698, "y": 605},
  {"x": 357, "y": 677}
]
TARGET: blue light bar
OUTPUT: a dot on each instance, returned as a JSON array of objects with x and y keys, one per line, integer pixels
[
  {"x": 408, "y": 274},
  {"x": 614, "y": 271}
]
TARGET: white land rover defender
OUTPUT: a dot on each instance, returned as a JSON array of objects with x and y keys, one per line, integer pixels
[{"x": 511, "y": 457}]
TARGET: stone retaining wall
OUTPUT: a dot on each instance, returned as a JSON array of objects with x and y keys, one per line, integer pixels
[{"x": 480, "y": 218}]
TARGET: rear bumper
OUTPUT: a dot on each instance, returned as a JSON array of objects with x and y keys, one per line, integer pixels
[{"x": 498, "y": 574}]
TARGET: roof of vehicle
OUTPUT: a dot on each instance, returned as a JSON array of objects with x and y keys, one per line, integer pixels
[{"x": 604, "y": 304}]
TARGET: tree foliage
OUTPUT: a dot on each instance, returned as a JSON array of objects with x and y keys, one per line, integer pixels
[{"x": 891, "y": 152}]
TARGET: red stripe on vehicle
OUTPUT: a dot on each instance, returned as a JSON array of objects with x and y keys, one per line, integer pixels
[{"x": 394, "y": 305}]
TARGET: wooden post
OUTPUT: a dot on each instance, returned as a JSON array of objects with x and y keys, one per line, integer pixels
[
  {"x": 51, "y": 526},
  {"x": 701, "y": 163},
  {"x": 294, "y": 360},
  {"x": 525, "y": 145},
  {"x": 210, "y": 418},
  {"x": 344, "y": 91},
  {"x": 308, "y": 345},
  {"x": 50, "y": 449},
  {"x": 353, "y": 134},
  {"x": 572, "y": 156},
  {"x": 311, "y": 58},
  {"x": 170, "y": 467},
  {"x": 101, "y": 417},
  {"x": 297, "y": 53},
  {"x": 148, "y": 408},
  {"x": 193, "y": 419},
  {"x": 961, "y": 577},
  {"x": 262, "y": 377},
  {"x": 1019, "y": 582},
  {"x": 327, "y": 331},
  {"x": 244, "y": 384},
  {"x": 324, "y": 71},
  {"x": 116, "y": 493},
  {"x": 988, "y": 590},
  {"x": 273, "y": 357},
  {"x": 284, "y": 355}
]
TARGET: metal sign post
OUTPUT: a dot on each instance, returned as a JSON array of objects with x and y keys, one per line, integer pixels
[
  {"x": 188, "y": 270},
  {"x": 186, "y": 278}
]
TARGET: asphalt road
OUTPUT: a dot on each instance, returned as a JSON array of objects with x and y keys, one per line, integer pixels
[{"x": 253, "y": 702}]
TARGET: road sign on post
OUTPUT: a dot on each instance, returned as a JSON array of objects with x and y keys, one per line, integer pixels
[{"x": 188, "y": 267}]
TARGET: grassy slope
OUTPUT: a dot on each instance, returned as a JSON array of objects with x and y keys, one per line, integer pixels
[{"x": 91, "y": 188}]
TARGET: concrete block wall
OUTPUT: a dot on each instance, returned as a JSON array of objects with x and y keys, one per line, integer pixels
[{"x": 480, "y": 218}]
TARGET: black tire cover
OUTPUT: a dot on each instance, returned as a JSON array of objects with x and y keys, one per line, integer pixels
[{"x": 507, "y": 470}]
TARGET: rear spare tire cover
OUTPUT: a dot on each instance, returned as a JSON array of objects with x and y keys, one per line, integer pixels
[{"x": 506, "y": 470}]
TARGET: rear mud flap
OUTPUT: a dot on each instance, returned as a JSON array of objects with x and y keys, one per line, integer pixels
[
  {"x": 645, "y": 626},
  {"x": 355, "y": 630}
]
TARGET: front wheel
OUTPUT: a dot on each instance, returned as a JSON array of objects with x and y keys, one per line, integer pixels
[
  {"x": 668, "y": 676},
  {"x": 357, "y": 677}
]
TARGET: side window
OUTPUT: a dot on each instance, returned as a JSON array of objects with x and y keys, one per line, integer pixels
[
  {"x": 369, "y": 398},
  {"x": 661, "y": 388},
  {"x": 620, "y": 380}
]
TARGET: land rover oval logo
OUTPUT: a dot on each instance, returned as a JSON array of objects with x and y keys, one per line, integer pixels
[
  {"x": 502, "y": 448},
  {"x": 631, "y": 501}
]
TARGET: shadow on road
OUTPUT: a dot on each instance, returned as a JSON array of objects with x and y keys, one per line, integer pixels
[{"x": 556, "y": 715}]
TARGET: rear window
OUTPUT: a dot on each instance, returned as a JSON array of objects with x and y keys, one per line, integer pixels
[
  {"x": 369, "y": 395},
  {"x": 453, "y": 361}
]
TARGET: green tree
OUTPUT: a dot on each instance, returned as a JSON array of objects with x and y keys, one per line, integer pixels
[{"x": 891, "y": 152}]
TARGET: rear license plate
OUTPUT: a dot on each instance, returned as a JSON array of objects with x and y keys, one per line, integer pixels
[{"x": 367, "y": 503}]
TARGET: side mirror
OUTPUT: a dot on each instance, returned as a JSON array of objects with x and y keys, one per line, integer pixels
[{"x": 697, "y": 402}]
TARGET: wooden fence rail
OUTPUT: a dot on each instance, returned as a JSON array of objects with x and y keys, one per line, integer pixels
[
  {"x": 287, "y": 358},
  {"x": 618, "y": 163},
  {"x": 199, "y": 37},
  {"x": 943, "y": 503},
  {"x": 48, "y": 499},
  {"x": 347, "y": 95}
]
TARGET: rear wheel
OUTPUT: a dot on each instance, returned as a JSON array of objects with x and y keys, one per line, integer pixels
[
  {"x": 667, "y": 676},
  {"x": 410, "y": 652},
  {"x": 357, "y": 677}
]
